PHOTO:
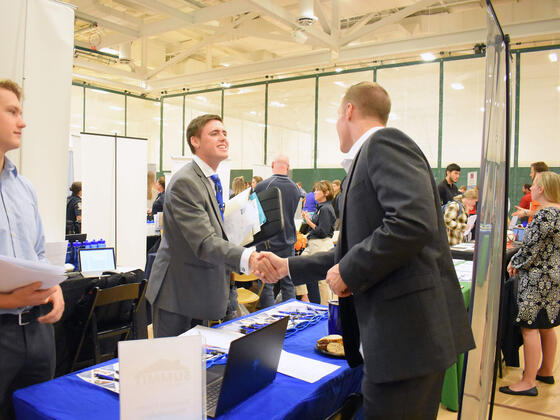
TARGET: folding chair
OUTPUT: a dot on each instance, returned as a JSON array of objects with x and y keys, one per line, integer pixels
[
  {"x": 111, "y": 318},
  {"x": 245, "y": 296}
]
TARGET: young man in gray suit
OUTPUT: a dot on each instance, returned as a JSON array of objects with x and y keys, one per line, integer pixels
[
  {"x": 392, "y": 267},
  {"x": 190, "y": 278}
]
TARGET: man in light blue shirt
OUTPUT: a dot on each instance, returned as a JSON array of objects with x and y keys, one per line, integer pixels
[{"x": 27, "y": 350}]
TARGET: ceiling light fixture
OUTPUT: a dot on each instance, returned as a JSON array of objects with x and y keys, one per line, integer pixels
[
  {"x": 428, "y": 56},
  {"x": 225, "y": 84},
  {"x": 338, "y": 69},
  {"x": 457, "y": 86},
  {"x": 553, "y": 57}
]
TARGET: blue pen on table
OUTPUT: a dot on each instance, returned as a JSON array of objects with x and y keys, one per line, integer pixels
[{"x": 106, "y": 377}]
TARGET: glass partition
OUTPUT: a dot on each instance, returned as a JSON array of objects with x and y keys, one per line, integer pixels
[
  {"x": 463, "y": 112},
  {"x": 104, "y": 112},
  {"x": 142, "y": 120},
  {"x": 172, "y": 130},
  {"x": 414, "y": 92},
  {"x": 331, "y": 91},
  {"x": 539, "y": 107},
  {"x": 244, "y": 122},
  {"x": 291, "y": 121}
]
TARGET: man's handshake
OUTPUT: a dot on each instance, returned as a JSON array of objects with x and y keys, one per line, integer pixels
[{"x": 268, "y": 267}]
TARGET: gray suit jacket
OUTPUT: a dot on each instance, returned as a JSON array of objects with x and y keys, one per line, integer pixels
[
  {"x": 190, "y": 275},
  {"x": 395, "y": 258}
]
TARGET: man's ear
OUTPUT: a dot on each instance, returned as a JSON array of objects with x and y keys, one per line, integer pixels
[
  {"x": 195, "y": 141},
  {"x": 349, "y": 110}
]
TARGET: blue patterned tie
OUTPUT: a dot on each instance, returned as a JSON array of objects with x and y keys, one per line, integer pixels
[{"x": 218, "y": 187}]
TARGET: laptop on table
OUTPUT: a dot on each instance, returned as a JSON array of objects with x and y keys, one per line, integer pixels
[
  {"x": 95, "y": 261},
  {"x": 251, "y": 365}
]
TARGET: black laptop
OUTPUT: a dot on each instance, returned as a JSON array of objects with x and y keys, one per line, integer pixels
[{"x": 251, "y": 365}]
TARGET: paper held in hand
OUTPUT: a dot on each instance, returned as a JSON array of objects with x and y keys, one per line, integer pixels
[
  {"x": 241, "y": 219},
  {"x": 15, "y": 273}
]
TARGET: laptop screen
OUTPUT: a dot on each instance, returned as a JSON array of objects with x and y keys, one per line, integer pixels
[{"x": 97, "y": 259}]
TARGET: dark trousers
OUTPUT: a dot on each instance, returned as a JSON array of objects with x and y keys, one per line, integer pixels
[
  {"x": 27, "y": 357},
  {"x": 170, "y": 324},
  {"x": 285, "y": 283},
  {"x": 411, "y": 399}
]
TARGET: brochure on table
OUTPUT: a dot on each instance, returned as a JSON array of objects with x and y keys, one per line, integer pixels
[{"x": 162, "y": 378}]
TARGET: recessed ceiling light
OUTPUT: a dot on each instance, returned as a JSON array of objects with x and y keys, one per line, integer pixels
[
  {"x": 338, "y": 69},
  {"x": 393, "y": 116},
  {"x": 277, "y": 104},
  {"x": 225, "y": 84},
  {"x": 226, "y": 64},
  {"x": 253, "y": 112},
  {"x": 553, "y": 57},
  {"x": 457, "y": 86},
  {"x": 558, "y": 88},
  {"x": 330, "y": 120},
  {"x": 202, "y": 98},
  {"x": 481, "y": 109},
  {"x": 428, "y": 56},
  {"x": 341, "y": 84}
]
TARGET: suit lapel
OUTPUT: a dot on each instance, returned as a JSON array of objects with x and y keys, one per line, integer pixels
[
  {"x": 211, "y": 195},
  {"x": 340, "y": 250}
]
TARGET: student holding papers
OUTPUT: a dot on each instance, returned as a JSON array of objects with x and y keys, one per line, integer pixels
[{"x": 27, "y": 351}]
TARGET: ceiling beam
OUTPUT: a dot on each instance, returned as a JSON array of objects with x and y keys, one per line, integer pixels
[
  {"x": 280, "y": 13},
  {"x": 335, "y": 20},
  {"x": 393, "y": 18},
  {"x": 322, "y": 16},
  {"x": 109, "y": 82},
  {"x": 105, "y": 69},
  {"x": 114, "y": 14},
  {"x": 227, "y": 73},
  {"x": 201, "y": 44},
  {"x": 108, "y": 25}
]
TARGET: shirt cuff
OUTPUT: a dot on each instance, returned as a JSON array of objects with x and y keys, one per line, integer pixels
[{"x": 244, "y": 262}]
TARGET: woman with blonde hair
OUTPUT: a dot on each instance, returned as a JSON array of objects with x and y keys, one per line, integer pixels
[
  {"x": 537, "y": 266},
  {"x": 238, "y": 185},
  {"x": 456, "y": 215},
  {"x": 319, "y": 238}
]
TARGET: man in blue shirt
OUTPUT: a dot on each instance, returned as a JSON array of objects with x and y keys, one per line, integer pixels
[
  {"x": 27, "y": 349},
  {"x": 283, "y": 243}
]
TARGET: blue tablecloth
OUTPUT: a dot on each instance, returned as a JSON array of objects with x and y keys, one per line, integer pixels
[{"x": 69, "y": 397}]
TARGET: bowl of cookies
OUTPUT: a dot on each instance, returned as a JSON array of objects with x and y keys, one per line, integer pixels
[{"x": 331, "y": 345}]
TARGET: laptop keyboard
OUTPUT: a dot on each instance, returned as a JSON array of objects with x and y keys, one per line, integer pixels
[{"x": 212, "y": 394}]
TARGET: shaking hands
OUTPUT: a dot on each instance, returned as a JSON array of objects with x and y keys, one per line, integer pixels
[
  {"x": 271, "y": 268},
  {"x": 268, "y": 267}
]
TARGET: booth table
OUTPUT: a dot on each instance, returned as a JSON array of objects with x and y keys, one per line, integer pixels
[
  {"x": 453, "y": 375},
  {"x": 69, "y": 397}
]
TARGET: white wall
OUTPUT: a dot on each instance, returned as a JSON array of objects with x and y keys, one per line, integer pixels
[{"x": 36, "y": 50}]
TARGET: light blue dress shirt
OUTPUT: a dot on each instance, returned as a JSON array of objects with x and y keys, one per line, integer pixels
[{"x": 21, "y": 230}]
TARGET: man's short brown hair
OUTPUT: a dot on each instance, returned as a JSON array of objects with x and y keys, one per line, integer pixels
[
  {"x": 370, "y": 99},
  {"x": 12, "y": 87},
  {"x": 196, "y": 125},
  {"x": 539, "y": 167}
]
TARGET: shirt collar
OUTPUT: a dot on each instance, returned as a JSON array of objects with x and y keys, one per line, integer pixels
[
  {"x": 204, "y": 167},
  {"x": 349, "y": 157},
  {"x": 9, "y": 166}
]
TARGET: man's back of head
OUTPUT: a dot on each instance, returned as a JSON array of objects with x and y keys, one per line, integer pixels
[
  {"x": 371, "y": 101},
  {"x": 281, "y": 165}
]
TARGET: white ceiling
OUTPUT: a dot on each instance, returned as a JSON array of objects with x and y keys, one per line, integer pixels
[{"x": 169, "y": 45}]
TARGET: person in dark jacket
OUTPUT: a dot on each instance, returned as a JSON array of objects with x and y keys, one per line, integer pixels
[
  {"x": 157, "y": 207},
  {"x": 74, "y": 209}
]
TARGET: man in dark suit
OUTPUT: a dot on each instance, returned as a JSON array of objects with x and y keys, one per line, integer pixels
[
  {"x": 392, "y": 268},
  {"x": 190, "y": 278}
]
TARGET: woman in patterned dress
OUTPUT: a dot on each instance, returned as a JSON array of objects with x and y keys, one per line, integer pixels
[{"x": 537, "y": 264}]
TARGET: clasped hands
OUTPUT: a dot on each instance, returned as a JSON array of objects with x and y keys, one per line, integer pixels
[{"x": 270, "y": 268}]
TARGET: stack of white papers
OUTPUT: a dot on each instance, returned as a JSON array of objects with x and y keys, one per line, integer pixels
[{"x": 18, "y": 273}]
